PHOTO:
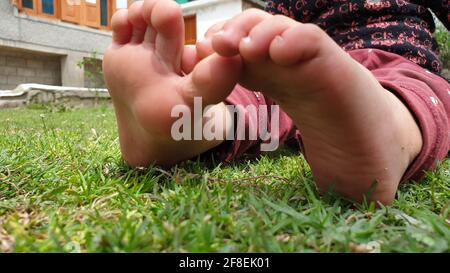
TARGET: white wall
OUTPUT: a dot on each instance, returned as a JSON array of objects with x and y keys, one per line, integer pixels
[{"x": 210, "y": 12}]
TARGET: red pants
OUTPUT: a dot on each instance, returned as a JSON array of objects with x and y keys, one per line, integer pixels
[{"x": 425, "y": 94}]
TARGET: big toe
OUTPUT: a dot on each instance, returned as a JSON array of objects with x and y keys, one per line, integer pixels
[{"x": 213, "y": 78}]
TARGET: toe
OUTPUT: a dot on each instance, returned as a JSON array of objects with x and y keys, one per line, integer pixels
[
  {"x": 226, "y": 42},
  {"x": 256, "y": 46},
  {"x": 121, "y": 27},
  {"x": 204, "y": 46},
  {"x": 137, "y": 20},
  {"x": 213, "y": 79},
  {"x": 146, "y": 11},
  {"x": 300, "y": 43},
  {"x": 189, "y": 59},
  {"x": 167, "y": 20}
]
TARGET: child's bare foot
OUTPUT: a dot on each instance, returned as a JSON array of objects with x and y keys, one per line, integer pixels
[
  {"x": 143, "y": 71},
  {"x": 354, "y": 131}
]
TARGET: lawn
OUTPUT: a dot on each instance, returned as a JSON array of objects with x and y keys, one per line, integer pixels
[{"x": 64, "y": 188}]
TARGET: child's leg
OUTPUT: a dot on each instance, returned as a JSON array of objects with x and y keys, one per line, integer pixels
[
  {"x": 143, "y": 72},
  {"x": 354, "y": 131}
]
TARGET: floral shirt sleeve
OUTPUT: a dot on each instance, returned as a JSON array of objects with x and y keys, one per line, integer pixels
[
  {"x": 282, "y": 7},
  {"x": 403, "y": 27}
]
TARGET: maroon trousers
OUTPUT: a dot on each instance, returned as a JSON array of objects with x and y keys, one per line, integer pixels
[{"x": 425, "y": 94}]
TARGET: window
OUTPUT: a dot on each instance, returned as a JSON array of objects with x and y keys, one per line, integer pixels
[
  {"x": 122, "y": 4},
  {"x": 92, "y": 13},
  {"x": 44, "y": 8},
  {"x": 48, "y": 7},
  {"x": 104, "y": 12},
  {"x": 28, "y": 4}
]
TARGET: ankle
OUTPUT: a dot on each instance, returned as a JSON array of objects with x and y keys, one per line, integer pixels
[{"x": 408, "y": 131}]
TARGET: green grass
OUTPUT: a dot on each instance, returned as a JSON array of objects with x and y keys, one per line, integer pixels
[
  {"x": 442, "y": 36},
  {"x": 63, "y": 188}
]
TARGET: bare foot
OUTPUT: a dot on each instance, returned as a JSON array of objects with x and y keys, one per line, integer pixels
[
  {"x": 354, "y": 131},
  {"x": 143, "y": 70}
]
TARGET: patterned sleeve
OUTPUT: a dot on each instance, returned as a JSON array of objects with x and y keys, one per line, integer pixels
[
  {"x": 279, "y": 7},
  {"x": 441, "y": 9}
]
